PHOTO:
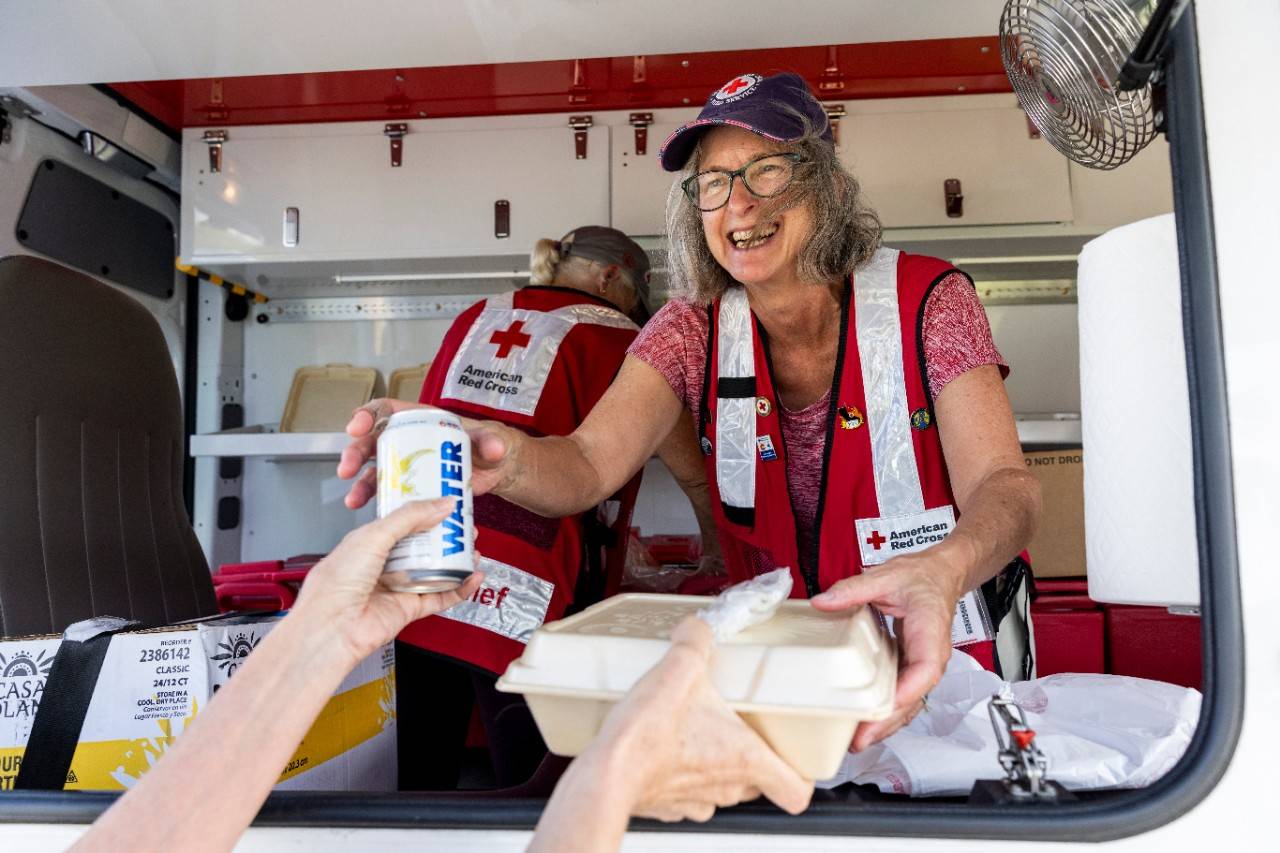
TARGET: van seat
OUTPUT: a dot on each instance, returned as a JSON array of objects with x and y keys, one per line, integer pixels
[{"x": 92, "y": 521}]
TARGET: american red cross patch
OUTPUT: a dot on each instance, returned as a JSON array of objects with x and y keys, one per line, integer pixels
[{"x": 736, "y": 88}]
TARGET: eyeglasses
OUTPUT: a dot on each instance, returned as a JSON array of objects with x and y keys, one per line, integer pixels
[{"x": 764, "y": 177}]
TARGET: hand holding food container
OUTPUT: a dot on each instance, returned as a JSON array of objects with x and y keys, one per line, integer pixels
[{"x": 672, "y": 749}]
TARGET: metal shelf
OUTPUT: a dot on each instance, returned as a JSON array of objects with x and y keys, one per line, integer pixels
[
  {"x": 263, "y": 440},
  {"x": 1049, "y": 428}
]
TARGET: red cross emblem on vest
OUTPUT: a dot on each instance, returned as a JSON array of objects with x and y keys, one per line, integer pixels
[
  {"x": 509, "y": 338},
  {"x": 875, "y": 540}
]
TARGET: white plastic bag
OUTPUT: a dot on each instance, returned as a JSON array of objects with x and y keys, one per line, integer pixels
[
  {"x": 1098, "y": 731},
  {"x": 745, "y": 604}
]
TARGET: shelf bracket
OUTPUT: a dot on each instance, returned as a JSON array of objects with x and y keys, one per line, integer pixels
[
  {"x": 214, "y": 139},
  {"x": 395, "y": 131},
  {"x": 641, "y": 122},
  {"x": 580, "y": 125},
  {"x": 834, "y": 112}
]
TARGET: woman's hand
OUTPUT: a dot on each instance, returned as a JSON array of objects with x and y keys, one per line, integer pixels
[
  {"x": 366, "y": 424},
  {"x": 492, "y": 450},
  {"x": 678, "y": 750},
  {"x": 920, "y": 595},
  {"x": 342, "y": 595}
]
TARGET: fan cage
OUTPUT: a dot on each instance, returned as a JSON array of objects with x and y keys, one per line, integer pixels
[{"x": 1063, "y": 58}]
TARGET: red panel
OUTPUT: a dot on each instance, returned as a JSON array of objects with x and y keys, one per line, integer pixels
[
  {"x": 1150, "y": 642},
  {"x": 838, "y": 72},
  {"x": 1069, "y": 635},
  {"x": 1062, "y": 586}
]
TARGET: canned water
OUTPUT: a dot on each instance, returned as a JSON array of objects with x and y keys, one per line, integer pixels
[{"x": 425, "y": 454}]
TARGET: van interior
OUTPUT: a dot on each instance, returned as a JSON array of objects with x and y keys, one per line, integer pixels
[{"x": 337, "y": 220}]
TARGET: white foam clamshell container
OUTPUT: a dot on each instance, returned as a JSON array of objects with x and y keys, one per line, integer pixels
[{"x": 802, "y": 679}]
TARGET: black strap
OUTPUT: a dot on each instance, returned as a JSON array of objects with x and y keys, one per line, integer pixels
[
  {"x": 55, "y": 731},
  {"x": 735, "y": 387},
  {"x": 1000, "y": 593}
]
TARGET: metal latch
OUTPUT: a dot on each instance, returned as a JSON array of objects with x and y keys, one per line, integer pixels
[
  {"x": 1024, "y": 764},
  {"x": 834, "y": 112},
  {"x": 641, "y": 122},
  {"x": 17, "y": 107},
  {"x": 291, "y": 227},
  {"x": 832, "y": 78},
  {"x": 214, "y": 139},
  {"x": 395, "y": 131},
  {"x": 501, "y": 219},
  {"x": 580, "y": 125},
  {"x": 579, "y": 92},
  {"x": 953, "y": 198}
]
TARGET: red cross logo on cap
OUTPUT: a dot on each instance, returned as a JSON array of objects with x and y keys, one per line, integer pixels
[
  {"x": 510, "y": 337},
  {"x": 875, "y": 540},
  {"x": 737, "y": 87}
]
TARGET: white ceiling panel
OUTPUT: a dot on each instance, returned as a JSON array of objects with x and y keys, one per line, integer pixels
[{"x": 98, "y": 41}]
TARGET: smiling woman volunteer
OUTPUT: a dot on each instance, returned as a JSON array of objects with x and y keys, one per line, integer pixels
[{"x": 848, "y": 397}]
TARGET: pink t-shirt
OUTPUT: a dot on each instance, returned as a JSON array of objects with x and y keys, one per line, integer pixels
[{"x": 957, "y": 338}]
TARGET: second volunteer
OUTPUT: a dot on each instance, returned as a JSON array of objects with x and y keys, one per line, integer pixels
[{"x": 537, "y": 359}]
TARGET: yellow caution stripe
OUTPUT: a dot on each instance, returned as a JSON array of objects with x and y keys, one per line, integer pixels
[{"x": 213, "y": 278}]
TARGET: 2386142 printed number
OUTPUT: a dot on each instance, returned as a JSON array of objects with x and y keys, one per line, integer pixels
[{"x": 151, "y": 655}]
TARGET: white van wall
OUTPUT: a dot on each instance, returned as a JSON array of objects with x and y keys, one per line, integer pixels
[
  {"x": 416, "y": 236},
  {"x": 29, "y": 144}
]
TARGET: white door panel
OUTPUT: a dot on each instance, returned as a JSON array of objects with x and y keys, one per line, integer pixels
[
  {"x": 902, "y": 160},
  {"x": 353, "y": 204}
]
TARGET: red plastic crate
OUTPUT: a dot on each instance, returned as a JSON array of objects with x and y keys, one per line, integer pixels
[
  {"x": 1151, "y": 642},
  {"x": 668, "y": 549},
  {"x": 262, "y": 585}
]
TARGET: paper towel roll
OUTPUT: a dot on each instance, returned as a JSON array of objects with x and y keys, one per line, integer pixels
[{"x": 1140, "y": 530}]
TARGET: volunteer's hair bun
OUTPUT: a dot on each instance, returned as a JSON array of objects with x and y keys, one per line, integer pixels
[{"x": 544, "y": 259}]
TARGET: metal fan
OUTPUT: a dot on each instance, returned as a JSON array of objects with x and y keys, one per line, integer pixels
[{"x": 1083, "y": 71}]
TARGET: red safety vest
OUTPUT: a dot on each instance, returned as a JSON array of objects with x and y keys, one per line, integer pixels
[
  {"x": 885, "y": 488},
  {"x": 538, "y": 359}
]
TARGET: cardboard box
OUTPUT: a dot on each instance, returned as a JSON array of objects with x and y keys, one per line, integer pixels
[
  {"x": 153, "y": 683},
  {"x": 1057, "y": 550}
]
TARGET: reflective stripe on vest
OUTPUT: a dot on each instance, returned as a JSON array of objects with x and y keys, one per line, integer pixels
[
  {"x": 735, "y": 417},
  {"x": 511, "y": 602},
  {"x": 507, "y": 354},
  {"x": 903, "y": 517}
]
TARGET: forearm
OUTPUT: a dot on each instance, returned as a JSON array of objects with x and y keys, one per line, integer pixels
[
  {"x": 589, "y": 810},
  {"x": 241, "y": 741},
  {"x": 553, "y": 477},
  {"x": 683, "y": 458},
  {"x": 559, "y": 476},
  {"x": 997, "y": 522}
]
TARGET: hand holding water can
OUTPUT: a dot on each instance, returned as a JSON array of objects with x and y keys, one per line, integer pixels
[{"x": 425, "y": 453}]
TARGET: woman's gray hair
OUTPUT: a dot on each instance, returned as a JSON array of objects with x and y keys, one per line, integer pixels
[{"x": 846, "y": 231}]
